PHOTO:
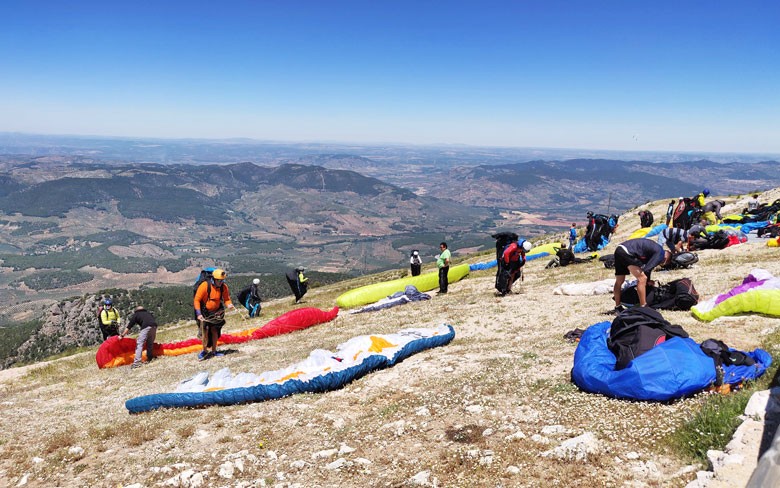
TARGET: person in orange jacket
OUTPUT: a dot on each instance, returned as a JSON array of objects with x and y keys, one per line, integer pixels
[{"x": 211, "y": 298}]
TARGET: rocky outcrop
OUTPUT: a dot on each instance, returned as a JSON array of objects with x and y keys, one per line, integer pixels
[{"x": 67, "y": 324}]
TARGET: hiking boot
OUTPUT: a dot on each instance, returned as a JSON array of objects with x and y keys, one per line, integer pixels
[{"x": 203, "y": 355}]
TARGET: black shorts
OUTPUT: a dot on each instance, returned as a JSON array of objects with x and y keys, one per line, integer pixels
[{"x": 623, "y": 260}]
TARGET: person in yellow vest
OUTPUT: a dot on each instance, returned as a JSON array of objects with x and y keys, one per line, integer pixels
[{"x": 109, "y": 319}]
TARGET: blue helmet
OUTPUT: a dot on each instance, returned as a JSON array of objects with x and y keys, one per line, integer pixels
[
  {"x": 107, "y": 301},
  {"x": 706, "y": 192}
]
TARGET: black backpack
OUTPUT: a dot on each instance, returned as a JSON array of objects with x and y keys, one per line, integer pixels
[
  {"x": 636, "y": 331},
  {"x": 685, "y": 295},
  {"x": 675, "y": 295},
  {"x": 645, "y": 218},
  {"x": 718, "y": 240},
  {"x": 685, "y": 259},
  {"x": 608, "y": 260},
  {"x": 503, "y": 239}
]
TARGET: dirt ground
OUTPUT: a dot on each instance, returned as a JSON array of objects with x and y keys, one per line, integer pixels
[{"x": 492, "y": 408}]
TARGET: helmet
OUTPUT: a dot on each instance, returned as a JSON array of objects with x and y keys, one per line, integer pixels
[
  {"x": 415, "y": 253},
  {"x": 590, "y": 214},
  {"x": 706, "y": 192},
  {"x": 527, "y": 246},
  {"x": 300, "y": 269},
  {"x": 256, "y": 281},
  {"x": 219, "y": 274},
  {"x": 107, "y": 301}
]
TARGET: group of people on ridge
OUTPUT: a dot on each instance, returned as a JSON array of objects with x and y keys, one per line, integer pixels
[
  {"x": 108, "y": 319},
  {"x": 638, "y": 257},
  {"x": 210, "y": 299}
]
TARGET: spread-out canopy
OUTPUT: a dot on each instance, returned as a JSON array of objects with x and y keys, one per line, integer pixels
[
  {"x": 321, "y": 371},
  {"x": 120, "y": 352},
  {"x": 758, "y": 293},
  {"x": 371, "y": 293}
]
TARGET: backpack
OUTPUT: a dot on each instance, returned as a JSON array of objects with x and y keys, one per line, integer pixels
[
  {"x": 645, "y": 218},
  {"x": 636, "y": 331},
  {"x": 685, "y": 295},
  {"x": 722, "y": 354},
  {"x": 98, "y": 313},
  {"x": 608, "y": 260},
  {"x": 718, "y": 240},
  {"x": 503, "y": 239},
  {"x": 675, "y": 295},
  {"x": 205, "y": 275},
  {"x": 685, "y": 259}
]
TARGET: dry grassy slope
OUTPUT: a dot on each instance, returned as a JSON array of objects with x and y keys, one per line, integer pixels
[{"x": 448, "y": 411}]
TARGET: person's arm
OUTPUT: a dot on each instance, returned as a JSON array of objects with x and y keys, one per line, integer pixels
[
  {"x": 198, "y": 299},
  {"x": 226, "y": 293},
  {"x": 129, "y": 326}
]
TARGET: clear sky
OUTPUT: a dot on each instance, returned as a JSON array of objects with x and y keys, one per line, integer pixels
[{"x": 626, "y": 75}]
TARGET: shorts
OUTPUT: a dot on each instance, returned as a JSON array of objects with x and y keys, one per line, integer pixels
[{"x": 623, "y": 260}]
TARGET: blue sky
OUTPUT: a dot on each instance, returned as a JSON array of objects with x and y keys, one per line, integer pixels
[{"x": 623, "y": 75}]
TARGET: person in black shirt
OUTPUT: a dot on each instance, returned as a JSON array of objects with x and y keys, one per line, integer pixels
[
  {"x": 637, "y": 257},
  {"x": 148, "y": 325}
]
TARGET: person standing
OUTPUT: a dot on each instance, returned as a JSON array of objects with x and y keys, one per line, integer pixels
[
  {"x": 572, "y": 235},
  {"x": 109, "y": 319},
  {"x": 443, "y": 263},
  {"x": 148, "y": 325},
  {"x": 636, "y": 257},
  {"x": 670, "y": 212},
  {"x": 211, "y": 298},
  {"x": 415, "y": 262},
  {"x": 752, "y": 204},
  {"x": 298, "y": 282}
]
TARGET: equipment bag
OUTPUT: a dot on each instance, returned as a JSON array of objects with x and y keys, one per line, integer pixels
[{"x": 636, "y": 331}]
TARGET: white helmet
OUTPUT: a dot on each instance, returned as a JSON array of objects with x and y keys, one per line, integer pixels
[
  {"x": 527, "y": 246},
  {"x": 256, "y": 281}
]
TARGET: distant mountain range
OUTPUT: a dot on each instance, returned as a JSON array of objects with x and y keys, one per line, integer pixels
[{"x": 355, "y": 211}]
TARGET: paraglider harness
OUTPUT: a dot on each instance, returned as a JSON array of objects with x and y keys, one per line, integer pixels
[
  {"x": 676, "y": 295},
  {"x": 599, "y": 230},
  {"x": 250, "y": 302},
  {"x": 636, "y": 331},
  {"x": 645, "y": 218},
  {"x": 686, "y": 213},
  {"x": 508, "y": 272}
]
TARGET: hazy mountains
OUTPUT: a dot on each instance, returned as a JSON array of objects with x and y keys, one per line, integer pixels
[{"x": 339, "y": 212}]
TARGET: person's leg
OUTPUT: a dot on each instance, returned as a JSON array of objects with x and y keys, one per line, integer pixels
[
  {"x": 619, "y": 279},
  {"x": 641, "y": 284},
  {"x": 140, "y": 342},
  {"x": 443, "y": 281},
  {"x": 151, "y": 335}
]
